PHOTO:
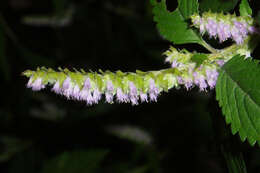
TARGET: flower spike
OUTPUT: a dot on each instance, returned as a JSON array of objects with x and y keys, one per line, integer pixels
[{"x": 224, "y": 26}]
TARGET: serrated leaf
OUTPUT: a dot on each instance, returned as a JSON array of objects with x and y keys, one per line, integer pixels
[
  {"x": 238, "y": 93},
  {"x": 199, "y": 58},
  {"x": 217, "y": 5},
  {"x": 173, "y": 25},
  {"x": 76, "y": 162},
  {"x": 244, "y": 8}
]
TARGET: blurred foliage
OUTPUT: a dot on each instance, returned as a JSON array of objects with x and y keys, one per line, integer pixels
[
  {"x": 44, "y": 132},
  {"x": 76, "y": 161}
]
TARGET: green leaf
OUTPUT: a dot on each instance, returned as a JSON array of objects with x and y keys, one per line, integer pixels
[
  {"x": 173, "y": 25},
  {"x": 188, "y": 7},
  {"x": 217, "y": 5},
  {"x": 245, "y": 9},
  {"x": 76, "y": 162},
  {"x": 199, "y": 58},
  {"x": 238, "y": 93}
]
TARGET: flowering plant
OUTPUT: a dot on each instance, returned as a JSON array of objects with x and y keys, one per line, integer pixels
[{"x": 231, "y": 71}]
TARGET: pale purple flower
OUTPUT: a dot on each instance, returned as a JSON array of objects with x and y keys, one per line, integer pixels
[
  {"x": 121, "y": 97},
  {"x": 29, "y": 84},
  {"x": 76, "y": 92},
  {"x": 211, "y": 27},
  {"x": 180, "y": 80},
  {"x": 86, "y": 95},
  {"x": 220, "y": 62},
  {"x": 110, "y": 86},
  {"x": 237, "y": 37},
  {"x": 226, "y": 31},
  {"x": 56, "y": 88},
  {"x": 223, "y": 31},
  {"x": 36, "y": 85},
  {"x": 87, "y": 84},
  {"x": 188, "y": 83},
  {"x": 212, "y": 76},
  {"x": 220, "y": 31},
  {"x": 174, "y": 63},
  {"x": 202, "y": 26},
  {"x": 199, "y": 80},
  {"x": 153, "y": 91},
  {"x": 109, "y": 92},
  {"x": 67, "y": 88},
  {"x": 252, "y": 30},
  {"x": 133, "y": 95},
  {"x": 66, "y": 84},
  {"x": 89, "y": 99},
  {"x": 242, "y": 28},
  {"x": 109, "y": 97},
  {"x": 83, "y": 95},
  {"x": 143, "y": 97},
  {"x": 68, "y": 91},
  {"x": 96, "y": 96}
]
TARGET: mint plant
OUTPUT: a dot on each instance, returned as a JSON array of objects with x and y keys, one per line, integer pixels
[{"x": 230, "y": 71}]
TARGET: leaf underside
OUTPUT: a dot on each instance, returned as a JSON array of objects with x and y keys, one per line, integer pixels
[{"x": 238, "y": 93}]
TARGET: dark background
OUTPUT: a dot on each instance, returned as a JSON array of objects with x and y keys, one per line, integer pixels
[{"x": 37, "y": 128}]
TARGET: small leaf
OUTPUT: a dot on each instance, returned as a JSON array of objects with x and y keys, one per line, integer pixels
[
  {"x": 76, "y": 162},
  {"x": 217, "y": 5},
  {"x": 199, "y": 58},
  {"x": 245, "y": 9},
  {"x": 173, "y": 25},
  {"x": 238, "y": 93}
]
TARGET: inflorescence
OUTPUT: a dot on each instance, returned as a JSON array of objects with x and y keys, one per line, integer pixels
[
  {"x": 187, "y": 69},
  {"x": 224, "y": 26},
  {"x": 136, "y": 87},
  {"x": 89, "y": 87}
]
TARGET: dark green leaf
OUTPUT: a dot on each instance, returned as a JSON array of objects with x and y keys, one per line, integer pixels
[
  {"x": 188, "y": 7},
  {"x": 238, "y": 93},
  {"x": 173, "y": 25},
  {"x": 199, "y": 58},
  {"x": 245, "y": 9},
  {"x": 217, "y": 5},
  {"x": 76, "y": 162}
]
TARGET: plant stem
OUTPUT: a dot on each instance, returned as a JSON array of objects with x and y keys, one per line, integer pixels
[
  {"x": 207, "y": 46},
  {"x": 229, "y": 145}
]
